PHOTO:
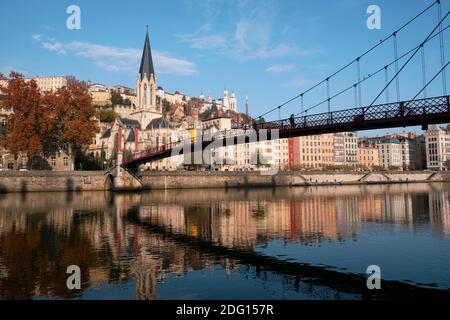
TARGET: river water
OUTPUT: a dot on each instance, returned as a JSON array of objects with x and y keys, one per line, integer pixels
[{"x": 282, "y": 243}]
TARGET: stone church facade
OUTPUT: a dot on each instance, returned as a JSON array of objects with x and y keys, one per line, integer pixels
[{"x": 144, "y": 126}]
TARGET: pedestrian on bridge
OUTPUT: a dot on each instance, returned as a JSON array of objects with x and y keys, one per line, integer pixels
[{"x": 292, "y": 120}]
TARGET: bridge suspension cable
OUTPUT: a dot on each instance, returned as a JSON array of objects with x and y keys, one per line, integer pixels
[
  {"x": 397, "y": 79},
  {"x": 302, "y": 104},
  {"x": 386, "y": 80},
  {"x": 351, "y": 62},
  {"x": 441, "y": 41},
  {"x": 410, "y": 58},
  {"x": 328, "y": 95},
  {"x": 372, "y": 75},
  {"x": 429, "y": 82},
  {"x": 424, "y": 75},
  {"x": 359, "y": 81}
]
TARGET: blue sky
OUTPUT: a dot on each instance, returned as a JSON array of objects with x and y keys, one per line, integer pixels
[{"x": 266, "y": 49}]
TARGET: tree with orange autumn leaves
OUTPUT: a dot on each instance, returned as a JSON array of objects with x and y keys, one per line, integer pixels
[{"x": 43, "y": 122}]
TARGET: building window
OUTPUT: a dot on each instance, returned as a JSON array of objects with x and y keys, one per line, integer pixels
[
  {"x": 53, "y": 161},
  {"x": 66, "y": 161},
  {"x": 145, "y": 95}
]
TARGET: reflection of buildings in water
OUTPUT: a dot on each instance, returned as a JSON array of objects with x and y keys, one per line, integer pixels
[
  {"x": 370, "y": 207},
  {"x": 397, "y": 208},
  {"x": 347, "y": 212},
  {"x": 313, "y": 219},
  {"x": 234, "y": 225},
  {"x": 145, "y": 276},
  {"x": 439, "y": 211},
  {"x": 60, "y": 218},
  {"x": 112, "y": 249},
  {"x": 276, "y": 221},
  {"x": 167, "y": 215},
  {"x": 230, "y": 265},
  {"x": 39, "y": 253},
  {"x": 228, "y": 224}
]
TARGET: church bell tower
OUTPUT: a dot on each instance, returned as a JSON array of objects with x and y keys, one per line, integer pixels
[{"x": 146, "y": 106}]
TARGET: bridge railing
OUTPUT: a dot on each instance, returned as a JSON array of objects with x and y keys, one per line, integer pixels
[{"x": 403, "y": 109}]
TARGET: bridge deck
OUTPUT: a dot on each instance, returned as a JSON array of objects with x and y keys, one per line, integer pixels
[{"x": 399, "y": 114}]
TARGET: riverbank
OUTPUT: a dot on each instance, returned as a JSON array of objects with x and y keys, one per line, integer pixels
[{"x": 50, "y": 181}]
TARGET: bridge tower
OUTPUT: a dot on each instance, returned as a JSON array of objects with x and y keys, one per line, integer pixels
[
  {"x": 122, "y": 178},
  {"x": 119, "y": 151}
]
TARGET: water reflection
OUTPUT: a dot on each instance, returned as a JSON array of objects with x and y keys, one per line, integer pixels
[{"x": 262, "y": 243}]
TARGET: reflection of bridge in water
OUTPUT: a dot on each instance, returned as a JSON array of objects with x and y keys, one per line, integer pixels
[
  {"x": 297, "y": 274},
  {"x": 232, "y": 230},
  {"x": 155, "y": 235},
  {"x": 326, "y": 212}
]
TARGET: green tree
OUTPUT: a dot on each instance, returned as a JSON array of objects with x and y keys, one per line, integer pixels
[
  {"x": 87, "y": 162},
  {"x": 261, "y": 160},
  {"x": 116, "y": 98},
  {"x": 166, "y": 106},
  {"x": 106, "y": 115},
  {"x": 447, "y": 164},
  {"x": 127, "y": 102}
]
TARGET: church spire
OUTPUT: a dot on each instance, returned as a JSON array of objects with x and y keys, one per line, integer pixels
[{"x": 146, "y": 61}]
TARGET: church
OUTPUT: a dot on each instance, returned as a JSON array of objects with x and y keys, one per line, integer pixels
[
  {"x": 146, "y": 106},
  {"x": 144, "y": 126}
]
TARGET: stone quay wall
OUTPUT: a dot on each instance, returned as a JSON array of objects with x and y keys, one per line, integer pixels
[
  {"x": 46, "y": 181},
  {"x": 51, "y": 181},
  {"x": 189, "y": 180}
]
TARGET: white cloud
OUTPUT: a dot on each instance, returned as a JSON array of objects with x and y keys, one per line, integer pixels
[
  {"x": 251, "y": 36},
  {"x": 171, "y": 65},
  {"x": 55, "y": 47},
  {"x": 36, "y": 37},
  {"x": 297, "y": 82},
  {"x": 280, "y": 68},
  {"x": 116, "y": 59},
  {"x": 204, "y": 42}
]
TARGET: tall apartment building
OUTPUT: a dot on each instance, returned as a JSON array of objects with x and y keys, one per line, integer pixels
[
  {"x": 437, "y": 146},
  {"x": 421, "y": 154},
  {"x": 324, "y": 151},
  {"x": 351, "y": 149},
  {"x": 390, "y": 153},
  {"x": 275, "y": 153},
  {"x": 327, "y": 144},
  {"x": 243, "y": 157},
  {"x": 339, "y": 149},
  {"x": 408, "y": 153},
  {"x": 50, "y": 83},
  {"x": 405, "y": 150},
  {"x": 408, "y": 146},
  {"x": 45, "y": 83},
  {"x": 368, "y": 155},
  {"x": 307, "y": 152},
  {"x": 311, "y": 152},
  {"x": 284, "y": 153}
]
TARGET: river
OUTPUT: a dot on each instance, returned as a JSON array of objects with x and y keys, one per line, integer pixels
[{"x": 280, "y": 243}]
